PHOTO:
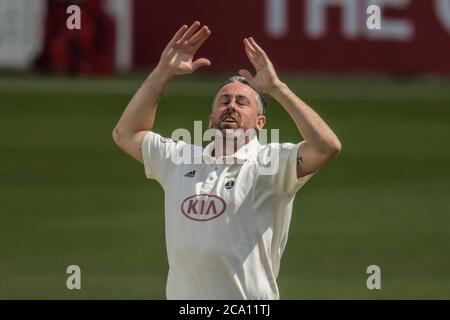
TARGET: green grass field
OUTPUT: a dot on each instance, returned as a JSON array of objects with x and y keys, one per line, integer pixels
[{"x": 68, "y": 195}]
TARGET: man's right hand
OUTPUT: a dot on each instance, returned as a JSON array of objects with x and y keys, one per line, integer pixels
[
  {"x": 139, "y": 115},
  {"x": 177, "y": 57}
]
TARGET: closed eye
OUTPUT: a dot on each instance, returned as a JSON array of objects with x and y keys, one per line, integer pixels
[
  {"x": 224, "y": 100},
  {"x": 242, "y": 101}
]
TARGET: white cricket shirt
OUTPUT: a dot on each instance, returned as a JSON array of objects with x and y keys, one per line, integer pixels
[{"x": 226, "y": 225}]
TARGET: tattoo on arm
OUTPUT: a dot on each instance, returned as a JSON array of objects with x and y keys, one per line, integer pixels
[{"x": 299, "y": 159}]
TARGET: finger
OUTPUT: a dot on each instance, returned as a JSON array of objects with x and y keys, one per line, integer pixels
[
  {"x": 178, "y": 34},
  {"x": 250, "y": 48},
  {"x": 201, "y": 62},
  {"x": 247, "y": 75},
  {"x": 251, "y": 57},
  {"x": 202, "y": 39},
  {"x": 189, "y": 32},
  {"x": 204, "y": 31},
  {"x": 200, "y": 43},
  {"x": 258, "y": 49}
]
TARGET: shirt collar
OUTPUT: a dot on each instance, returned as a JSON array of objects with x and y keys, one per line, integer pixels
[{"x": 246, "y": 152}]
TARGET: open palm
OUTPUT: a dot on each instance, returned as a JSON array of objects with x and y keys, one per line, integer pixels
[
  {"x": 178, "y": 56},
  {"x": 266, "y": 78}
]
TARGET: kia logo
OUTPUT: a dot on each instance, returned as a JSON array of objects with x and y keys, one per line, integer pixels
[{"x": 203, "y": 207}]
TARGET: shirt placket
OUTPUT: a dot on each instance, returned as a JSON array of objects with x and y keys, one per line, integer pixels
[{"x": 211, "y": 179}]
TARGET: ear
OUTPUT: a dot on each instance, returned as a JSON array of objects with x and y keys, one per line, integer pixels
[
  {"x": 260, "y": 121},
  {"x": 209, "y": 121}
]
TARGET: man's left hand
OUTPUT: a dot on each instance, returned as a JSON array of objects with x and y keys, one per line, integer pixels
[{"x": 266, "y": 79}]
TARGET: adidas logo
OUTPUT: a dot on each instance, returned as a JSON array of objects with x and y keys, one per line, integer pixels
[{"x": 190, "y": 174}]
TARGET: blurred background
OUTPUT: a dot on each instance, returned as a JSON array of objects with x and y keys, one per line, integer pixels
[{"x": 68, "y": 195}]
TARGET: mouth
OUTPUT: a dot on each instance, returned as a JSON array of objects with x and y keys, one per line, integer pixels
[{"x": 229, "y": 119}]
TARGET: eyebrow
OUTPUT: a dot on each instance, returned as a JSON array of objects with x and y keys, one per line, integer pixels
[{"x": 239, "y": 96}]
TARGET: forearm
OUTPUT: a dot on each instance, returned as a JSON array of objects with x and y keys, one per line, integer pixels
[
  {"x": 312, "y": 128},
  {"x": 139, "y": 115}
]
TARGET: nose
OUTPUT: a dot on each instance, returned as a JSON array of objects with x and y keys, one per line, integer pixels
[{"x": 231, "y": 106}]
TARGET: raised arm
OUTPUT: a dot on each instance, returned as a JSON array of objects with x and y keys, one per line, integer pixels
[
  {"x": 176, "y": 59},
  {"x": 321, "y": 144}
]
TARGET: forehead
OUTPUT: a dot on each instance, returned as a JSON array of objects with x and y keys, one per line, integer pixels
[{"x": 237, "y": 88}]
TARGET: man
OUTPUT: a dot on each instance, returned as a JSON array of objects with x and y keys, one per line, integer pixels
[{"x": 226, "y": 221}]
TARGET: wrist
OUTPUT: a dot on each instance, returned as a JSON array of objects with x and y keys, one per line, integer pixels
[
  {"x": 164, "y": 71},
  {"x": 276, "y": 88}
]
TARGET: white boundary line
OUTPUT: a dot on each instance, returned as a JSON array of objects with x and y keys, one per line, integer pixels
[{"x": 330, "y": 90}]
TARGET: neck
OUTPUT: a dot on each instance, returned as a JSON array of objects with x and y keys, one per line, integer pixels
[{"x": 227, "y": 146}]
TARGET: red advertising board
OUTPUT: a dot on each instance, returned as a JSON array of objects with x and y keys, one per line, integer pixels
[{"x": 305, "y": 35}]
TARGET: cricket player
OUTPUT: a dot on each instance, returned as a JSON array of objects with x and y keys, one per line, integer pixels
[{"x": 226, "y": 222}]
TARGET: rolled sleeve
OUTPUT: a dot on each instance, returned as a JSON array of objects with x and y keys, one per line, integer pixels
[
  {"x": 157, "y": 155},
  {"x": 294, "y": 184},
  {"x": 283, "y": 158}
]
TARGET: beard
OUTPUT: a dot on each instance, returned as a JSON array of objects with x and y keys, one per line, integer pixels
[
  {"x": 232, "y": 128},
  {"x": 228, "y": 121},
  {"x": 231, "y": 132}
]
